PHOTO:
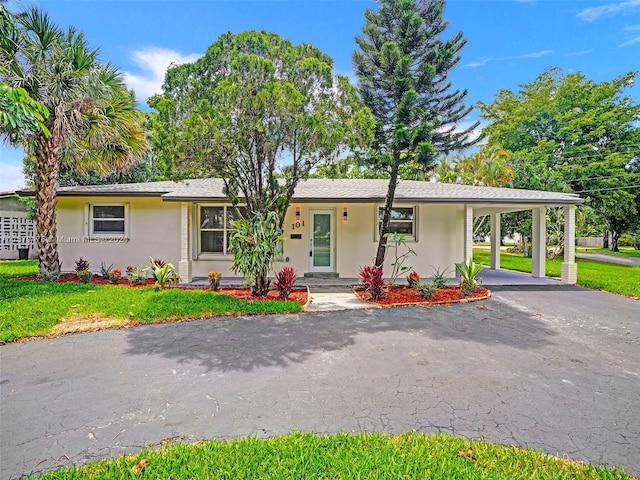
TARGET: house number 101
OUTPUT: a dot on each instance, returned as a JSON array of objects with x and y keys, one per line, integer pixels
[{"x": 297, "y": 225}]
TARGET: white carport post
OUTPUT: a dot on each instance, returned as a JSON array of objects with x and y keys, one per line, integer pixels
[
  {"x": 468, "y": 233},
  {"x": 184, "y": 267},
  {"x": 495, "y": 241},
  {"x": 569, "y": 266},
  {"x": 539, "y": 242}
]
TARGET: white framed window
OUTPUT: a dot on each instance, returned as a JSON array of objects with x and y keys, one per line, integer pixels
[
  {"x": 403, "y": 220},
  {"x": 214, "y": 228},
  {"x": 108, "y": 219}
]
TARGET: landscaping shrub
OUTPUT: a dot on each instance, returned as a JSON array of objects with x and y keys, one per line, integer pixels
[
  {"x": 468, "y": 274},
  {"x": 105, "y": 270},
  {"x": 164, "y": 273},
  {"x": 137, "y": 275},
  {"x": 285, "y": 280},
  {"x": 85, "y": 276},
  {"x": 439, "y": 278},
  {"x": 114, "y": 275},
  {"x": 412, "y": 279},
  {"x": 374, "y": 282},
  {"x": 426, "y": 290},
  {"x": 82, "y": 265},
  {"x": 214, "y": 279}
]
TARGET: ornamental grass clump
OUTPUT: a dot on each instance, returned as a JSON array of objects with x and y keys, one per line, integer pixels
[
  {"x": 374, "y": 282},
  {"x": 105, "y": 270},
  {"x": 285, "y": 280},
  {"x": 439, "y": 277}
]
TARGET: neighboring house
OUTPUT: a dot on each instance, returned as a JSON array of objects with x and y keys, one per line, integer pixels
[
  {"x": 17, "y": 232},
  {"x": 331, "y": 226}
]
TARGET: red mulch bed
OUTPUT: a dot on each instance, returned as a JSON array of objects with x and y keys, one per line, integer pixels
[
  {"x": 403, "y": 295},
  {"x": 297, "y": 295}
]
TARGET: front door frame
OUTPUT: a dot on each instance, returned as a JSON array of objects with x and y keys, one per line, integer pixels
[{"x": 331, "y": 268}]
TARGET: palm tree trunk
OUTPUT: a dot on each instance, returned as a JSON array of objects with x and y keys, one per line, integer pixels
[{"x": 46, "y": 177}]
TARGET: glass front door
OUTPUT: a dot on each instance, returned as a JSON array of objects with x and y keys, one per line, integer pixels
[{"x": 321, "y": 254}]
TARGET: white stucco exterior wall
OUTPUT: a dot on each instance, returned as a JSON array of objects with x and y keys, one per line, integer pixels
[{"x": 153, "y": 231}]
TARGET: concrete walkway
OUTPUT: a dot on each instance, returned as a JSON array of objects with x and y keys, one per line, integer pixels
[{"x": 556, "y": 369}]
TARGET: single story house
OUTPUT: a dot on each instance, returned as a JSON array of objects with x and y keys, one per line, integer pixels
[
  {"x": 17, "y": 231},
  {"x": 331, "y": 226}
]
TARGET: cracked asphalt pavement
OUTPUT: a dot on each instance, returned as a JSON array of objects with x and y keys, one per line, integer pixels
[{"x": 552, "y": 368}]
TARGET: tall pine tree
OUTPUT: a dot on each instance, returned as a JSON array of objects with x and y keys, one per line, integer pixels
[{"x": 402, "y": 66}]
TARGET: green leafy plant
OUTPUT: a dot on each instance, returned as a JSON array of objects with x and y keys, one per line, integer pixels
[
  {"x": 255, "y": 244},
  {"x": 105, "y": 270},
  {"x": 374, "y": 282},
  {"x": 164, "y": 273},
  {"x": 426, "y": 290},
  {"x": 285, "y": 280},
  {"x": 115, "y": 275},
  {"x": 214, "y": 279},
  {"x": 137, "y": 275},
  {"x": 468, "y": 274},
  {"x": 85, "y": 276},
  {"x": 397, "y": 242},
  {"x": 82, "y": 264},
  {"x": 412, "y": 279},
  {"x": 439, "y": 277}
]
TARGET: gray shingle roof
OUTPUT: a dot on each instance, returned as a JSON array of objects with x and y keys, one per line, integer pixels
[{"x": 332, "y": 190}]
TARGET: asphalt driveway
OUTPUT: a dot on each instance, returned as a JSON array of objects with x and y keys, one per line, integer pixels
[{"x": 556, "y": 368}]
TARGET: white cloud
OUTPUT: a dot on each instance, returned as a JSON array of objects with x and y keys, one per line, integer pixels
[
  {"x": 593, "y": 13},
  {"x": 484, "y": 61},
  {"x": 631, "y": 41},
  {"x": 632, "y": 28},
  {"x": 153, "y": 63},
  {"x": 578, "y": 54}
]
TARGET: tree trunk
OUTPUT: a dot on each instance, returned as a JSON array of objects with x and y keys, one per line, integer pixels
[
  {"x": 605, "y": 239},
  {"x": 46, "y": 177},
  {"x": 615, "y": 236},
  {"x": 261, "y": 287},
  {"x": 386, "y": 216}
]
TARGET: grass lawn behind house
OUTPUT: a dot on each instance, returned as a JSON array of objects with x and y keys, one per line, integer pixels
[
  {"x": 624, "y": 252},
  {"x": 29, "y": 309},
  {"x": 610, "y": 277},
  {"x": 341, "y": 456}
]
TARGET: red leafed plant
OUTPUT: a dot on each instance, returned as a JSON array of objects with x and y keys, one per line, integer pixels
[
  {"x": 373, "y": 280},
  {"x": 413, "y": 278},
  {"x": 285, "y": 279}
]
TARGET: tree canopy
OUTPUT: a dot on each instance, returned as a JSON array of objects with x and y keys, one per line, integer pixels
[
  {"x": 402, "y": 65},
  {"x": 255, "y": 109},
  {"x": 568, "y": 133}
]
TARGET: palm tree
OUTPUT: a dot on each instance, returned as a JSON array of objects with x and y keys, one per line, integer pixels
[{"x": 91, "y": 116}]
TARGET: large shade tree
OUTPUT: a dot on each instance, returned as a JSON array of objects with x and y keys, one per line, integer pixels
[
  {"x": 91, "y": 117},
  {"x": 260, "y": 113},
  {"x": 402, "y": 66},
  {"x": 566, "y": 132}
]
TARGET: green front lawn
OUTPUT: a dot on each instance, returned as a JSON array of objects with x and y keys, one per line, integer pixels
[
  {"x": 30, "y": 309},
  {"x": 603, "y": 276},
  {"x": 340, "y": 456}
]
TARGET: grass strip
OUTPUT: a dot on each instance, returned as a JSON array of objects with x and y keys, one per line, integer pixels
[
  {"x": 29, "y": 308},
  {"x": 610, "y": 277},
  {"x": 340, "y": 456}
]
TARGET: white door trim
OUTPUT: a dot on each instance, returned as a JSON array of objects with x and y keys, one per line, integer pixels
[{"x": 332, "y": 241}]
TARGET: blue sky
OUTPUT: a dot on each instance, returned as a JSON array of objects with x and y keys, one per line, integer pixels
[{"x": 510, "y": 42}]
